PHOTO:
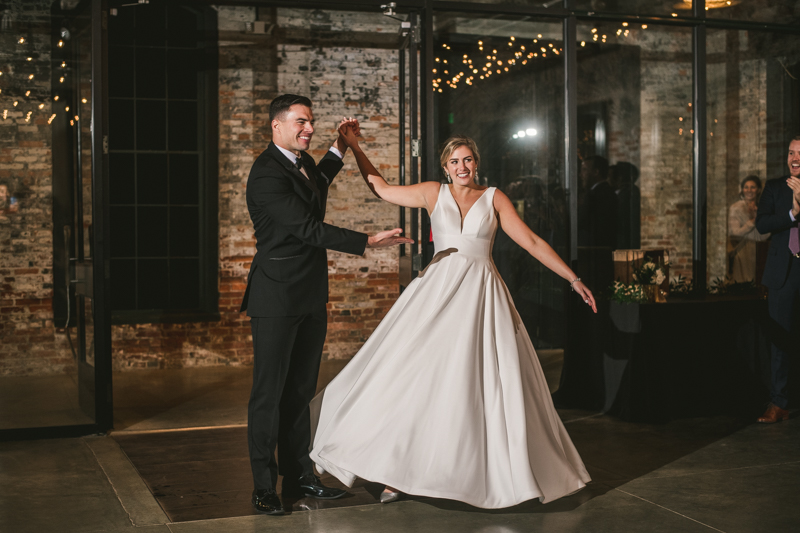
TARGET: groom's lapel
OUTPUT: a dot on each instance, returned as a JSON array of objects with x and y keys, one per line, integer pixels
[{"x": 308, "y": 191}]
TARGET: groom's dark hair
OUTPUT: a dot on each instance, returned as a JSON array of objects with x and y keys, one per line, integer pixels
[{"x": 281, "y": 105}]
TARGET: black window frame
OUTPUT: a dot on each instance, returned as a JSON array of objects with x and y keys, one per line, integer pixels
[{"x": 207, "y": 308}]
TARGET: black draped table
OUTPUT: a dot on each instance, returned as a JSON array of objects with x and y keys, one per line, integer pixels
[{"x": 656, "y": 362}]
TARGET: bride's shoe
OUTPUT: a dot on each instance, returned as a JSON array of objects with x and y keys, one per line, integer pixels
[{"x": 389, "y": 495}]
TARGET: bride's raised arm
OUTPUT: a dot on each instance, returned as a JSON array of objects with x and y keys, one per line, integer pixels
[
  {"x": 418, "y": 195},
  {"x": 536, "y": 246}
]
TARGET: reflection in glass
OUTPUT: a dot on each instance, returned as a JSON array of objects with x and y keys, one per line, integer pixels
[
  {"x": 752, "y": 115},
  {"x": 635, "y": 145},
  {"x": 46, "y": 326},
  {"x": 500, "y": 81}
]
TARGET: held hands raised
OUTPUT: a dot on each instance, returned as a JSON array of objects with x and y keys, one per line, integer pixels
[{"x": 349, "y": 131}]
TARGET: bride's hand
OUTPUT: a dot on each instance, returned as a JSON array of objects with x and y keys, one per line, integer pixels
[
  {"x": 585, "y": 293},
  {"x": 347, "y": 134}
]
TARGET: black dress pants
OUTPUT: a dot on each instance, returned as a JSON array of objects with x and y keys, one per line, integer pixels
[
  {"x": 287, "y": 353},
  {"x": 783, "y": 304}
]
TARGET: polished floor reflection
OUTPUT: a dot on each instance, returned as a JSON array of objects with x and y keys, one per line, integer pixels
[
  {"x": 41, "y": 401},
  {"x": 703, "y": 474}
]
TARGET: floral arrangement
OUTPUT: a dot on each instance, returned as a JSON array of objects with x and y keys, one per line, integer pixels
[
  {"x": 647, "y": 278},
  {"x": 625, "y": 293},
  {"x": 650, "y": 273}
]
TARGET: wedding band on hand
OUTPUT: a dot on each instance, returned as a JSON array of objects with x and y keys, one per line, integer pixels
[{"x": 586, "y": 301}]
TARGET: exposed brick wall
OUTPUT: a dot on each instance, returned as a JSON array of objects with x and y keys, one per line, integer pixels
[
  {"x": 29, "y": 344},
  {"x": 644, "y": 128},
  {"x": 340, "y": 81}
]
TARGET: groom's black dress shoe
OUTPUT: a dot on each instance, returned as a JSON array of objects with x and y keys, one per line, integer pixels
[
  {"x": 309, "y": 485},
  {"x": 266, "y": 501}
]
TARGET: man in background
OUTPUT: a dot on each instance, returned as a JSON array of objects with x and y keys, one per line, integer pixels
[{"x": 778, "y": 214}]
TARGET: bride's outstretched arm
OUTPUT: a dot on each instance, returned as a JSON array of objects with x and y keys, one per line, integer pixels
[
  {"x": 417, "y": 195},
  {"x": 536, "y": 246}
]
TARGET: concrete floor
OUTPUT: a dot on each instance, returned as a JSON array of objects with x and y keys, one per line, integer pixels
[{"x": 711, "y": 474}]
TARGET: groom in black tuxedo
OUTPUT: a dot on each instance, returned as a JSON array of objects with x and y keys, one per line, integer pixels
[
  {"x": 287, "y": 290},
  {"x": 778, "y": 213}
]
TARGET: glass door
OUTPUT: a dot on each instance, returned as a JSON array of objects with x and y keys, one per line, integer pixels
[
  {"x": 409, "y": 143},
  {"x": 60, "y": 381},
  {"x": 499, "y": 79}
]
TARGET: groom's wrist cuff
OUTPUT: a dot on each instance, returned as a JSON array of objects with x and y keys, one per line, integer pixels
[{"x": 336, "y": 152}]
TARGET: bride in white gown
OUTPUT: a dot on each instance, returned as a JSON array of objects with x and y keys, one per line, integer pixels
[{"x": 447, "y": 398}]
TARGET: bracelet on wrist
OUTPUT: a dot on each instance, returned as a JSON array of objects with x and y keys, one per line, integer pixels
[{"x": 572, "y": 283}]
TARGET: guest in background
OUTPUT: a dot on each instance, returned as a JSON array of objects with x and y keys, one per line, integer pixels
[
  {"x": 778, "y": 213},
  {"x": 623, "y": 177},
  {"x": 598, "y": 210},
  {"x": 742, "y": 232},
  {"x": 597, "y": 222}
]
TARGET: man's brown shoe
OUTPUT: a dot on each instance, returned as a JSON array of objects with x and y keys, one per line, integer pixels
[{"x": 773, "y": 414}]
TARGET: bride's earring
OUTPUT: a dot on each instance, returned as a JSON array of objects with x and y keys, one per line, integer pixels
[
  {"x": 447, "y": 175},
  {"x": 477, "y": 179}
]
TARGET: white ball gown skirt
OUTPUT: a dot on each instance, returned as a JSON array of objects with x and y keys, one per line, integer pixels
[{"x": 447, "y": 397}]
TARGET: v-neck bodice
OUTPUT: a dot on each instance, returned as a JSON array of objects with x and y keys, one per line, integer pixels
[{"x": 474, "y": 235}]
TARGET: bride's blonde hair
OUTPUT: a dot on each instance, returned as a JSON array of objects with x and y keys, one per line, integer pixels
[{"x": 455, "y": 142}]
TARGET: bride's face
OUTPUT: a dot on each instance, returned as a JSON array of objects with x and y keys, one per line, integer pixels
[{"x": 461, "y": 166}]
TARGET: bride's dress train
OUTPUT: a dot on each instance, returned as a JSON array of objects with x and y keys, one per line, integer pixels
[{"x": 447, "y": 398}]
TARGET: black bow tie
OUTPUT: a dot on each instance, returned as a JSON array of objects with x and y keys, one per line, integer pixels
[{"x": 298, "y": 163}]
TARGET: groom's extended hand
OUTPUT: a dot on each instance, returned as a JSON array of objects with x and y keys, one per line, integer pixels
[{"x": 390, "y": 237}]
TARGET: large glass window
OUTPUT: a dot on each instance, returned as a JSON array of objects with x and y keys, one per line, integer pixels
[
  {"x": 501, "y": 82},
  {"x": 163, "y": 245},
  {"x": 634, "y": 145},
  {"x": 674, "y": 8},
  {"x": 753, "y": 113},
  {"x": 775, "y": 11}
]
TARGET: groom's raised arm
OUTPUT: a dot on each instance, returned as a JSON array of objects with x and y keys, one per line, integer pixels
[{"x": 330, "y": 165}]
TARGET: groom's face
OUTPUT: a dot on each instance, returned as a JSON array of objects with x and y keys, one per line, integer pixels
[{"x": 294, "y": 130}]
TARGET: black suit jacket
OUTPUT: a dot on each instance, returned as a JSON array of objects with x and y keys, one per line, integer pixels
[
  {"x": 773, "y": 217},
  {"x": 289, "y": 273}
]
